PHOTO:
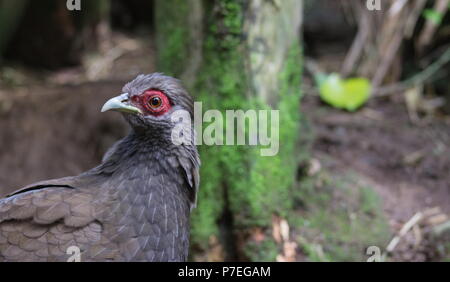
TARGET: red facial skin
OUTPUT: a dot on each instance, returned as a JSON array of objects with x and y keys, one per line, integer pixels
[{"x": 146, "y": 102}]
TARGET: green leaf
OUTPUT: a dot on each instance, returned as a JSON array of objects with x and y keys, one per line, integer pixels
[
  {"x": 349, "y": 94},
  {"x": 433, "y": 16}
]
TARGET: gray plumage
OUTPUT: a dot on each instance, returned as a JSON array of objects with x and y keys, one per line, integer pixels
[{"x": 134, "y": 206}]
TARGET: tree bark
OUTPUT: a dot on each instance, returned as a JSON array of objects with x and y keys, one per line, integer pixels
[{"x": 237, "y": 54}]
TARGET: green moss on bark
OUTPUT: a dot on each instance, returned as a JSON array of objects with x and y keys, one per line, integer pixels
[
  {"x": 220, "y": 79},
  {"x": 238, "y": 178}
]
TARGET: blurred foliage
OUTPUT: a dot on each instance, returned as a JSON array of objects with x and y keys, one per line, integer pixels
[
  {"x": 433, "y": 15},
  {"x": 348, "y": 94}
]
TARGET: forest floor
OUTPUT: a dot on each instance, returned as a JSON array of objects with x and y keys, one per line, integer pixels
[
  {"x": 407, "y": 164},
  {"x": 404, "y": 159}
]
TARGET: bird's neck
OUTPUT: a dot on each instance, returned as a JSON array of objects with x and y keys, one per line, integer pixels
[
  {"x": 142, "y": 167},
  {"x": 133, "y": 150},
  {"x": 147, "y": 165},
  {"x": 139, "y": 153}
]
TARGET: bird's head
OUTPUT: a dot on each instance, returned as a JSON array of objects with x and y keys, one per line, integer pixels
[
  {"x": 149, "y": 101},
  {"x": 154, "y": 105}
]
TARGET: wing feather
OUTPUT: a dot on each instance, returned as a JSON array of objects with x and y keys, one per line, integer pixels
[{"x": 40, "y": 221}]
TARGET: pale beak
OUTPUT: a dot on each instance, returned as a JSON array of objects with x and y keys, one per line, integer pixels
[{"x": 119, "y": 104}]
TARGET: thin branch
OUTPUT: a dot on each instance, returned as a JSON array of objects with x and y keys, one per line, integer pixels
[{"x": 419, "y": 78}]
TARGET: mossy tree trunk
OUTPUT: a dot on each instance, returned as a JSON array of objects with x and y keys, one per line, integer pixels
[{"x": 236, "y": 54}]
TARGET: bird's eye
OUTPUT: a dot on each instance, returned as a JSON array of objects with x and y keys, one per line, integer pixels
[{"x": 155, "y": 102}]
